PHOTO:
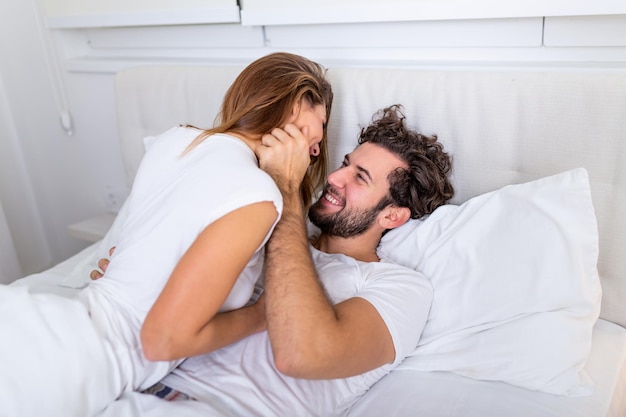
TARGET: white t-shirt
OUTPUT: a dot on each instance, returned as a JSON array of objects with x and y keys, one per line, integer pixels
[
  {"x": 242, "y": 376},
  {"x": 173, "y": 199}
]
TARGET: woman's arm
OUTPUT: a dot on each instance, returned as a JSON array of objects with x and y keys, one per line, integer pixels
[
  {"x": 249, "y": 319},
  {"x": 183, "y": 321}
]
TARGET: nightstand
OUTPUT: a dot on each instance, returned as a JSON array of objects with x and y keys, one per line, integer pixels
[{"x": 93, "y": 229}]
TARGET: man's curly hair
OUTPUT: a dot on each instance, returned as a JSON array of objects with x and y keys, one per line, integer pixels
[{"x": 425, "y": 185}]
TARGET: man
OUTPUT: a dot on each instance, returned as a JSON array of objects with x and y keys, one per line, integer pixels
[{"x": 331, "y": 332}]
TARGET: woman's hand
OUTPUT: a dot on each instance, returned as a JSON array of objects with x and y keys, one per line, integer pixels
[{"x": 258, "y": 309}]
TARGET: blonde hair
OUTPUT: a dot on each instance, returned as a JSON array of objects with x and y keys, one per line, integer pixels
[{"x": 262, "y": 97}]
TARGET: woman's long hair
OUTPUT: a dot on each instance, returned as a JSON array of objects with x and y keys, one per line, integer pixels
[{"x": 263, "y": 96}]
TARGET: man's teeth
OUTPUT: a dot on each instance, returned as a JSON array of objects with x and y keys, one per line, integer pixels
[{"x": 332, "y": 200}]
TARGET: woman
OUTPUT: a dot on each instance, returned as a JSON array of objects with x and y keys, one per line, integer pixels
[{"x": 198, "y": 215}]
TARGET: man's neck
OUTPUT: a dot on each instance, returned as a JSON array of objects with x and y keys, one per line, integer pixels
[{"x": 362, "y": 247}]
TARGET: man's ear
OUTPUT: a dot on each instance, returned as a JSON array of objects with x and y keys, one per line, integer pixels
[{"x": 394, "y": 216}]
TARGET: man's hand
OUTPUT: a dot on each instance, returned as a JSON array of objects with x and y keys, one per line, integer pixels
[
  {"x": 284, "y": 155},
  {"x": 103, "y": 265}
]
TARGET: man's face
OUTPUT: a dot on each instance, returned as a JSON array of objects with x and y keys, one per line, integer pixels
[{"x": 351, "y": 200}]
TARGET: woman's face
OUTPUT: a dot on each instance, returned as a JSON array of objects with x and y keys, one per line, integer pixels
[{"x": 311, "y": 120}]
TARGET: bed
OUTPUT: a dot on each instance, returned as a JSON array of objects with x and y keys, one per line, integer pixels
[{"x": 527, "y": 261}]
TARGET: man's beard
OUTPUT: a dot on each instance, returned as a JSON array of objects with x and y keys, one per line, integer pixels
[{"x": 345, "y": 223}]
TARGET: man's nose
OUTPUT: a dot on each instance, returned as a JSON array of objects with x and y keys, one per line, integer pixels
[{"x": 338, "y": 177}]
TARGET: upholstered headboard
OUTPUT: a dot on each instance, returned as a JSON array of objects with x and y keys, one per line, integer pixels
[{"x": 501, "y": 126}]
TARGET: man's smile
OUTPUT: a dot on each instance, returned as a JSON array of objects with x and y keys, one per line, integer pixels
[{"x": 331, "y": 197}]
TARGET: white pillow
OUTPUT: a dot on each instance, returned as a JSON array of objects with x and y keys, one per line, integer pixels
[{"x": 516, "y": 287}]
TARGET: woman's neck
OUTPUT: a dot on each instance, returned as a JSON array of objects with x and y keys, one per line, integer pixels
[{"x": 251, "y": 140}]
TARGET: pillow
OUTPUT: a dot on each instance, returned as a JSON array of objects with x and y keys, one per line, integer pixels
[{"x": 516, "y": 287}]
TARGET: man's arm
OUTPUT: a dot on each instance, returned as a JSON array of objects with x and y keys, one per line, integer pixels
[{"x": 310, "y": 337}]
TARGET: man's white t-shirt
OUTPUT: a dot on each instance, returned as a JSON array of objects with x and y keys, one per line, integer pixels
[{"x": 242, "y": 377}]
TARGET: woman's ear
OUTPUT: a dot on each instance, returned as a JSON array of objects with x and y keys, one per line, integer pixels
[
  {"x": 394, "y": 216},
  {"x": 293, "y": 115},
  {"x": 295, "y": 110}
]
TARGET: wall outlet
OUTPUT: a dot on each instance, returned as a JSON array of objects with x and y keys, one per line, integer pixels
[{"x": 114, "y": 198}]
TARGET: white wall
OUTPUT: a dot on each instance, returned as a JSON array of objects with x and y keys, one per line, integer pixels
[
  {"x": 41, "y": 186},
  {"x": 49, "y": 180},
  {"x": 10, "y": 268},
  {"x": 25, "y": 229}
]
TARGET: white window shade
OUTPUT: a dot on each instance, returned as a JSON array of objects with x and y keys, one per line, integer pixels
[
  {"x": 289, "y": 12},
  {"x": 111, "y": 13},
  {"x": 10, "y": 269}
]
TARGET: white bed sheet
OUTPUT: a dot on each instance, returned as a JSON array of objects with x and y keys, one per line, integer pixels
[
  {"x": 50, "y": 279},
  {"x": 438, "y": 394},
  {"x": 407, "y": 393}
]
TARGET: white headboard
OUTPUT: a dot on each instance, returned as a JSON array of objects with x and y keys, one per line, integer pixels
[{"x": 501, "y": 126}]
